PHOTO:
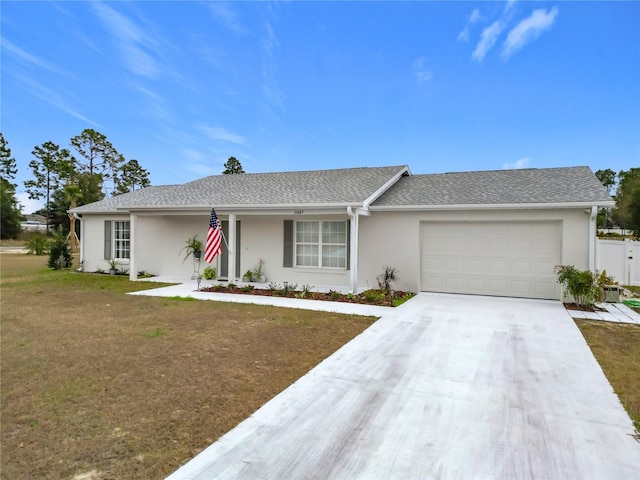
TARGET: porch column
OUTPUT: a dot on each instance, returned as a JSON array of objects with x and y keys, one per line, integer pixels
[
  {"x": 133, "y": 273},
  {"x": 592, "y": 237},
  {"x": 353, "y": 251},
  {"x": 231, "y": 248}
]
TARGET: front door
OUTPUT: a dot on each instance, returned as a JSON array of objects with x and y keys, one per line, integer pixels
[{"x": 224, "y": 258}]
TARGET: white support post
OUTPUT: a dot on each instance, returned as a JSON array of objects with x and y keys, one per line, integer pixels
[
  {"x": 353, "y": 253},
  {"x": 133, "y": 273},
  {"x": 232, "y": 248},
  {"x": 592, "y": 238}
]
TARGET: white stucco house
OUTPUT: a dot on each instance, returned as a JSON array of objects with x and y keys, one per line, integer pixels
[{"x": 488, "y": 232}]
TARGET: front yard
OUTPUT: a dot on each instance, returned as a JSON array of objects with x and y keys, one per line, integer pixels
[{"x": 133, "y": 387}]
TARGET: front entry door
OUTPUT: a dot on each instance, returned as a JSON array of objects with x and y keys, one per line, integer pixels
[{"x": 224, "y": 258}]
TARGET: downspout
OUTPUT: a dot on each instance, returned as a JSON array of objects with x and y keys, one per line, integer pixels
[
  {"x": 353, "y": 254},
  {"x": 133, "y": 267},
  {"x": 592, "y": 238}
]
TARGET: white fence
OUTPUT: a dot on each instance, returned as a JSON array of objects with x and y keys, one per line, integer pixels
[{"x": 621, "y": 260}]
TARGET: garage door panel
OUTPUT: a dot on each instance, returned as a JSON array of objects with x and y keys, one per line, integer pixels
[{"x": 491, "y": 258}]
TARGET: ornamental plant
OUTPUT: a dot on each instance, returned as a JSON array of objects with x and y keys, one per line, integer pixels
[
  {"x": 582, "y": 285},
  {"x": 59, "y": 251}
]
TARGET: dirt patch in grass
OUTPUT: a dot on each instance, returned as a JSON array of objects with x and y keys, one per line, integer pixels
[
  {"x": 97, "y": 384},
  {"x": 616, "y": 346}
]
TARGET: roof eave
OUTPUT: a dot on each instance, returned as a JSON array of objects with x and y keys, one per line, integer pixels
[{"x": 494, "y": 206}]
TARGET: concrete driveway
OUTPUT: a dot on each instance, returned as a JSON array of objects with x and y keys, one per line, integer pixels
[{"x": 446, "y": 386}]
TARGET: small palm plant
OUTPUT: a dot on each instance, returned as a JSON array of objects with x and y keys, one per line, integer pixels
[{"x": 386, "y": 278}]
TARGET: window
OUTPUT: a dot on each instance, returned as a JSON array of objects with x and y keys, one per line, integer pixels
[
  {"x": 321, "y": 244},
  {"x": 117, "y": 242},
  {"x": 121, "y": 240}
]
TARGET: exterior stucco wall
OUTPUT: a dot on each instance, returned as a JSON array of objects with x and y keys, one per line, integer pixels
[
  {"x": 159, "y": 239},
  {"x": 92, "y": 242},
  {"x": 393, "y": 238},
  {"x": 385, "y": 238},
  {"x": 263, "y": 237},
  {"x": 158, "y": 243}
]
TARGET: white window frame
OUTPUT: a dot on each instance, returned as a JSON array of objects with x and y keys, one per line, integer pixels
[
  {"x": 118, "y": 244},
  {"x": 320, "y": 244}
]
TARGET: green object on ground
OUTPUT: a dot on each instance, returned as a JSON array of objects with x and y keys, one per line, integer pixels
[{"x": 632, "y": 303}]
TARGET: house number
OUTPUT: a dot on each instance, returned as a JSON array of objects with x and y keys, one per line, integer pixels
[{"x": 298, "y": 212}]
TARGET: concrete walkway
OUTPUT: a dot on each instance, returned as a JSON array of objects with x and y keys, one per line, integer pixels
[
  {"x": 445, "y": 386},
  {"x": 615, "y": 312}
]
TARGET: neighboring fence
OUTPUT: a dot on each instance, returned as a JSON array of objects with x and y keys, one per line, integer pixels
[{"x": 621, "y": 260}]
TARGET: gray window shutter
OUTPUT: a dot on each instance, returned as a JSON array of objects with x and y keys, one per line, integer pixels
[
  {"x": 348, "y": 244},
  {"x": 287, "y": 258},
  {"x": 107, "y": 240}
]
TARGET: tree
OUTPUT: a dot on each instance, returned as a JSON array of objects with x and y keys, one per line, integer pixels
[
  {"x": 51, "y": 168},
  {"x": 8, "y": 168},
  {"x": 132, "y": 175},
  {"x": 10, "y": 214},
  {"x": 232, "y": 166},
  {"x": 607, "y": 178},
  {"x": 99, "y": 157},
  {"x": 627, "y": 210},
  {"x": 95, "y": 149}
]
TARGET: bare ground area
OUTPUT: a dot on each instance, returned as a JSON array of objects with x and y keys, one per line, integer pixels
[{"x": 97, "y": 384}]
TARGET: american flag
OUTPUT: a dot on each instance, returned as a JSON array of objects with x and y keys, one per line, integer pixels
[{"x": 214, "y": 238}]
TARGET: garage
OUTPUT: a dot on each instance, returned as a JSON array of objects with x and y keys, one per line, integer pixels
[{"x": 504, "y": 258}]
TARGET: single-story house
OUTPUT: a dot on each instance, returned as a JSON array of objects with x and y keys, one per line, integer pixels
[{"x": 487, "y": 232}]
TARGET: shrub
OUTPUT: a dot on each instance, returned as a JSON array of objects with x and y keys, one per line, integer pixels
[
  {"x": 373, "y": 295},
  {"x": 38, "y": 244},
  {"x": 334, "y": 295},
  {"x": 59, "y": 251},
  {"x": 209, "y": 273},
  {"x": 581, "y": 285}
]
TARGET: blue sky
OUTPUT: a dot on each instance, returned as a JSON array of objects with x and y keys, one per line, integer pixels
[{"x": 440, "y": 86}]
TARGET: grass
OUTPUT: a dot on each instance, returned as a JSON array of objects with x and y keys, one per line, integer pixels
[
  {"x": 616, "y": 346},
  {"x": 93, "y": 380}
]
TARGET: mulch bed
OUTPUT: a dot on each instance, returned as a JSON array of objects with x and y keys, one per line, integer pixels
[
  {"x": 370, "y": 297},
  {"x": 573, "y": 306}
]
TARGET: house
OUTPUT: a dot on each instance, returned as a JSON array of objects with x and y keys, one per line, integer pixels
[
  {"x": 34, "y": 223},
  {"x": 488, "y": 232}
]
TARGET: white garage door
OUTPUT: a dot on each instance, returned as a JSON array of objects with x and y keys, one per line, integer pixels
[{"x": 514, "y": 259}]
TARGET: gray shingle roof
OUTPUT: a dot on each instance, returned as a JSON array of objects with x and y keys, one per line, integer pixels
[
  {"x": 349, "y": 186},
  {"x": 498, "y": 187}
]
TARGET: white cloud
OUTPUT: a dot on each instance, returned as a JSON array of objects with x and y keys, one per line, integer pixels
[
  {"x": 226, "y": 16},
  {"x": 27, "y": 205},
  {"x": 528, "y": 30},
  {"x": 52, "y": 97},
  {"x": 133, "y": 42},
  {"x": 509, "y": 5},
  {"x": 423, "y": 75},
  {"x": 488, "y": 39},
  {"x": 25, "y": 57},
  {"x": 521, "y": 163},
  {"x": 270, "y": 88},
  {"x": 222, "y": 134},
  {"x": 463, "y": 36}
]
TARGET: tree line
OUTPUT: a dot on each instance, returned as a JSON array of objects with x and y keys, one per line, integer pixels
[
  {"x": 626, "y": 213},
  {"x": 66, "y": 178}
]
